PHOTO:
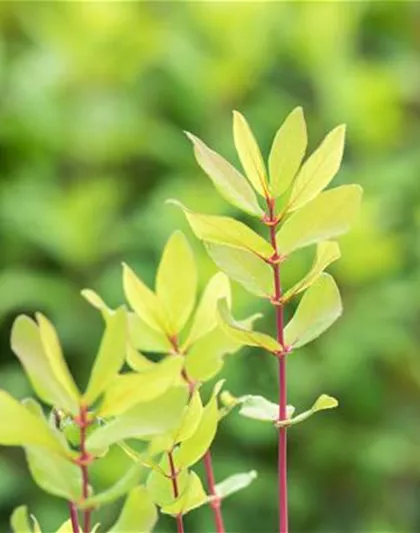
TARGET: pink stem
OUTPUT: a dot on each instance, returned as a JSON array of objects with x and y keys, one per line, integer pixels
[
  {"x": 84, "y": 461},
  {"x": 215, "y": 502},
  {"x": 74, "y": 518},
  {"x": 282, "y": 436},
  {"x": 179, "y": 519}
]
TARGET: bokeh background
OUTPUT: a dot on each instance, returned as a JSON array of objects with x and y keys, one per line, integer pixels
[{"x": 94, "y": 98}]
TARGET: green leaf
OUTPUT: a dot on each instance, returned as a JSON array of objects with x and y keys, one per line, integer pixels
[
  {"x": 137, "y": 361},
  {"x": 20, "y": 427},
  {"x": 319, "y": 169},
  {"x": 230, "y": 183},
  {"x": 317, "y": 311},
  {"x": 145, "y": 420},
  {"x": 176, "y": 281},
  {"x": 124, "y": 484},
  {"x": 235, "y": 483},
  {"x": 259, "y": 408},
  {"x": 110, "y": 357},
  {"x": 322, "y": 403},
  {"x": 96, "y": 301},
  {"x": 326, "y": 253},
  {"x": 287, "y": 152},
  {"x": 144, "y": 301},
  {"x": 244, "y": 267},
  {"x": 145, "y": 338},
  {"x": 54, "y": 473},
  {"x": 191, "y": 418},
  {"x": 139, "y": 513},
  {"x": 159, "y": 484},
  {"x": 19, "y": 520},
  {"x": 329, "y": 215},
  {"x": 127, "y": 390},
  {"x": 193, "y": 496},
  {"x": 243, "y": 335},
  {"x": 205, "y": 319},
  {"x": 193, "y": 448},
  {"x": 226, "y": 231},
  {"x": 43, "y": 362},
  {"x": 249, "y": 154}
]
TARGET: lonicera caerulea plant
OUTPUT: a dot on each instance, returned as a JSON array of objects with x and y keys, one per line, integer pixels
[
  {"x": 149, "y": 405},
  {"x": 289, "y": 202}
]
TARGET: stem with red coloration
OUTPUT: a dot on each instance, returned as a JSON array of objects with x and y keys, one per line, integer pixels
[
  {"x": 179, "y": 519},
  {"x": 84, "y": 459},
  {"x": 282, "y": 437},
  {"x": 74, "y": 518},
  {"x": 215, "y": 501}
]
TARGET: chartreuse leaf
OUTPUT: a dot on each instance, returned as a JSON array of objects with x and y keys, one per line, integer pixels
[
  {"x": 137, "y": 361},
  {"x": 54, "y": 473},
  {"x": 37, "y": 527},
  {"x": 322, "y": 403},
  {"x": 142, "y": 336},
  {"x": 257, "y": 407},
  {"x": 20, "y": 427},
  {"x": 159, "y": 484},
  {"x": 193, "y": 448},
  {"x": 176, "y": 281},
  {"x": 145, "y": 420},
  {"x": 205, "y": 319},
  {"x": 319, "y": 169},
  {"x": 326, "y": 253},
  {"x": 193, "y": 496},
  {"x": 144, "y": 302},
  {"x": 110, "y": 358},
  {"x": 244, "y": 267},
  {"x": 226, "y": 231},
  {"x": 317, "y": 311},
  {"x": 35, "y": 408},
  {"x": 125, "y": 484},
  {"x": 44, "y": 367},
  {"x": 127, "y": 390},
  {"x": 287, "y": 152},
  {"x": 68, "y": 528},
  {"x": 230, "y": 183},
  {"x": 243, "y": 335},
  {"x": 235, "y": 483},
  {"x": 19, "y": 520},
  {"x": 139, "y": 513},
  {"x": 191, "y": 418},
  {"x": 328, "y": 215},
  {"x": 249, "y": 154}
]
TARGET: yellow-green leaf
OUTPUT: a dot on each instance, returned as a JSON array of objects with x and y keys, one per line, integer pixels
[
  {"x": 205, "y": 319},
  {"x": 249, "y": 154},
  {"x": 319, "y": 169},
  {"x": 176, "y": 281},
  {"x": 143, "y": 337},
  {"x": 191, "y": 418},
  {"x": 243, "y": 335},
  {"x": 127, "y": 390},
  {"x": 330, "y": 214},
  {"x": 19, "y": 520},
  {"x": 138, "y": 514},
  {"x": 193, "y": 496},
  {"x": 326, "y": 253},
  {"x": 43, "y": 367},
  {"x": 227, "y": 231},
  {"x": 137, "y": 361},
  {"x": 110, "y": 357},
  {"x": 143, "y": 421},
  {"x": 317, "y": 311},
  {"x": 321, "y": 404},
  {"x": 230, "y": 183},
  {"x": 144, "y": 301},
  {"x": 20, "y": 427},
  {"x": 244, "y": 267},
  {"x": 287, "y": 152},
  {"x": 235, "y": 483}
]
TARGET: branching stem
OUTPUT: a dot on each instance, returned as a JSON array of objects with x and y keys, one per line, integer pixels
[
  {"x": 175, "y": 489},
  {"x": 272, "y": 222}
]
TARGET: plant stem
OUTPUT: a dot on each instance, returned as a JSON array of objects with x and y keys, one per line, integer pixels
[
  {"x": 215, "y": 502},
  {"x": 74, "y": 518},
  {"x": 282, "y": 435},
  {"x": 179, "y": 519},
  {"x": 84, "y": 462}
]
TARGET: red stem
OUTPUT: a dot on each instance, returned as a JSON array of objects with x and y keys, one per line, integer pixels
[
  {"x": 179, "y": 519},
  {"x": 215, "y": 502},
  {"x": 84, "y": 462},
  {"x": 74, "y": 518},
  {"x": 282, "y": 437}
]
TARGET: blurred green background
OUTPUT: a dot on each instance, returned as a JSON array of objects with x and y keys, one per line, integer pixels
[{"x": 94, "y": 98}]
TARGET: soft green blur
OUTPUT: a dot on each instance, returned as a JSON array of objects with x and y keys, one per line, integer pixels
[{"x": 94, "y": 98}]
